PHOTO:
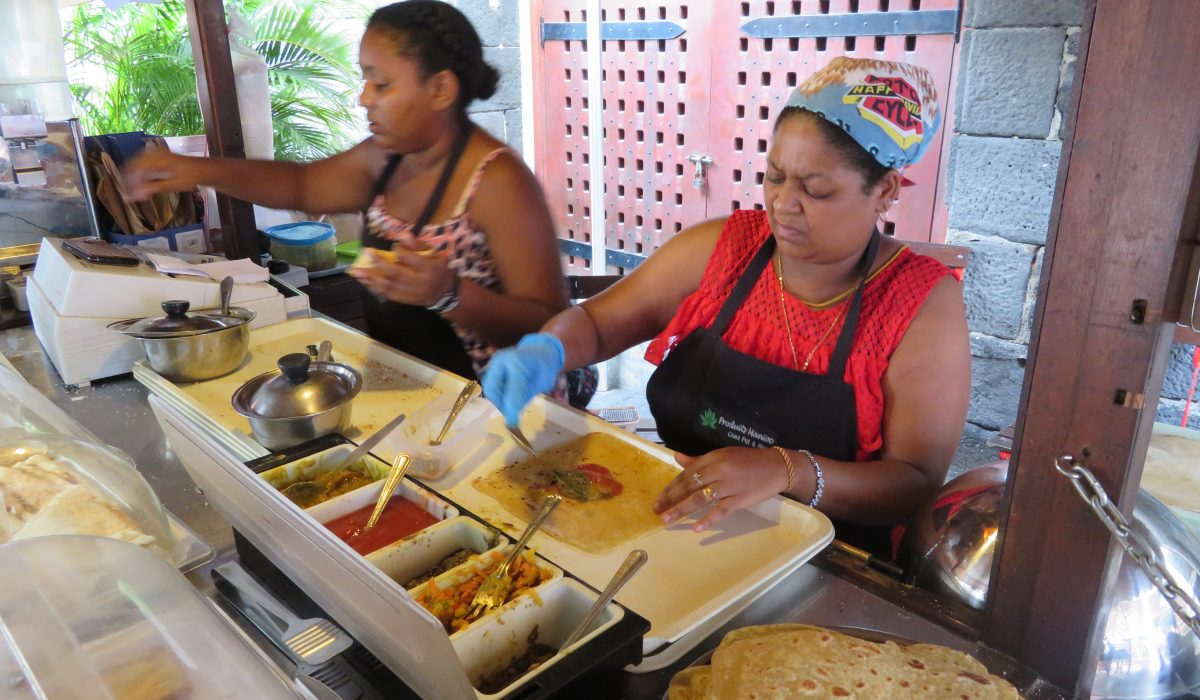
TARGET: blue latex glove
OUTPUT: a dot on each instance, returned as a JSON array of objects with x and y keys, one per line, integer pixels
[{"x": 515, "y": 375}]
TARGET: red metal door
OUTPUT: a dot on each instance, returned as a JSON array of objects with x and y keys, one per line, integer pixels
[
  {"x": 655, "y": 96},
  {"x": 713, "y": 91}
]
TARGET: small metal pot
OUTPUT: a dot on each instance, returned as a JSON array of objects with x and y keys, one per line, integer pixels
[
  {"x": 192, "y": 348},
  {"x": 300, "y": 401}
]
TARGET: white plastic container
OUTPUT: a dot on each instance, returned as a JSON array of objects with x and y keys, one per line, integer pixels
[
  {"x": 87, "y": 618},
  {"x": 409, "y": 558},
  {"x": 412, "y": 437}
]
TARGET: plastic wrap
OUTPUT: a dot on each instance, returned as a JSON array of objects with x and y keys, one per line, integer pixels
[
  {"x": 56, "y": 485},
  {"x": 85, "y": 617}
]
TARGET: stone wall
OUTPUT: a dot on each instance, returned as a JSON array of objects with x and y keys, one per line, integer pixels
[
  {"x": 1015, "y": 69},
  {"x": 498, "y": 24}
]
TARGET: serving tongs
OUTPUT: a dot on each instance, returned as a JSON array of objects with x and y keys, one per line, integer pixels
[
  {"x": 494, "y": 590},
  {"x": 399, "y": 466}
]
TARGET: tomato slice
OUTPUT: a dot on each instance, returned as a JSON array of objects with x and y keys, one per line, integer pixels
[{"x": 602, "y": 479}]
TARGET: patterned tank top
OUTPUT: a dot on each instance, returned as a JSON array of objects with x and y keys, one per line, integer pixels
[
  {"x": 465, "y": 246},
  {"x": 893, "y": 295}
]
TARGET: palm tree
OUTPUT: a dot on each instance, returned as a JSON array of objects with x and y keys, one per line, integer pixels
[{"x": 139, "y": 74}]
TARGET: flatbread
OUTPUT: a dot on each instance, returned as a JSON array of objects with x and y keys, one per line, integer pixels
[
  {"x": 77, "y": 511},
  {"x": 598, "y": 526},
  {"x": 778, "y": 662}
]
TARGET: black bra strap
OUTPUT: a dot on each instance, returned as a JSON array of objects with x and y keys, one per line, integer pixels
[{"x": 460, "y": 145}]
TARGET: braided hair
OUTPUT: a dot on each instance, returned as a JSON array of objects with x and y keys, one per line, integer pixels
[{"x": 439, "y": 37}]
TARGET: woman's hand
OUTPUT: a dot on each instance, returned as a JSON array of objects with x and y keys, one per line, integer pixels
[
  {"x": 729, "y": 479},
  {"x": 415, "y": 276},
  {"x": 158, "y": 170}
]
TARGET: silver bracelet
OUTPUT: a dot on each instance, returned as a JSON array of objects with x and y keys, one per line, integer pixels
[{"x": 820, "y": 491}]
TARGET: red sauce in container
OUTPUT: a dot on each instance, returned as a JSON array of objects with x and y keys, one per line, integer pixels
[{"x": 400, "y": 519}]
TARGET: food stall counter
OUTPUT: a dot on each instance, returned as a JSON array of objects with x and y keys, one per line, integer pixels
[{"x": 117, "y": 411}]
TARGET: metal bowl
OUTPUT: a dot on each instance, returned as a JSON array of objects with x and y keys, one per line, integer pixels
[
  {"x": 192, "y": 348},
  {"x": 300, "y": 401},
  {"x": 1147, "y": 651}
]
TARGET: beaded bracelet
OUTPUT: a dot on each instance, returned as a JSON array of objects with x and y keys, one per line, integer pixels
[
  {"x": 820, "y": 490},
  {"x": 791, "y": 471}
]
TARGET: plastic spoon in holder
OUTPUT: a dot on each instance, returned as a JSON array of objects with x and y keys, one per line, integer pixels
[
  {"x": 369, "y": 444},
  {"x": 633, "y": 562},
  {"x": 389, "y": 487},
  {"x": 463, "y": 397}
]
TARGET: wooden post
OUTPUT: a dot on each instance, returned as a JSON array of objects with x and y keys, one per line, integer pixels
[
  {"x": 222, "y": 121},
  {"x": 1125, "y": 207}
]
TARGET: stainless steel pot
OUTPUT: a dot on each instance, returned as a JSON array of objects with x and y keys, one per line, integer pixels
[
  {"x": 1147, "y": 651},
  {"x": 299, "y": 401},
  {"x": 192, "y": 348}
]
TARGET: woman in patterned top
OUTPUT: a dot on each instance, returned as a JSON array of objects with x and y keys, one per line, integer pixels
[
  {"x": 460, "y": 256},
  {"x": 799, "y": 351}
]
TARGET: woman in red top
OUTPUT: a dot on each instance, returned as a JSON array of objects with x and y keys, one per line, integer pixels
[{"x": 799, "y": 351}]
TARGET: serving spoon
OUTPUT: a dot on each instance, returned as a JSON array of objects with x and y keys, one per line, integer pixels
[
  {"x": 389, "y": 487},
  {"x": 632, "y": 563}
]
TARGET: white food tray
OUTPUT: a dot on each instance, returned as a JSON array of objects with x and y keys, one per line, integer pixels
[
  {"x": 692, "y": 582},
  {"x": 393, "y": 382}
]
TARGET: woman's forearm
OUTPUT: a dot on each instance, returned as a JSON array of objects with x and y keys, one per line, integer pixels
[
  {"x": 886, "y": 491},
  {"x": 270, "y": 183},
  {"x": 500, "y": 319}
]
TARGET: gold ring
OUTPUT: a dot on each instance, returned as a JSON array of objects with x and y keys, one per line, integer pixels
[
  {"x": 696, "y": 478},
  {"x": 709, "y": 494}
]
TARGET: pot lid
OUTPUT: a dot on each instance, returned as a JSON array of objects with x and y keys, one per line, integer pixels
[
  {"x": 301, "y": 387},
  {"x": 177, "y": 323}
]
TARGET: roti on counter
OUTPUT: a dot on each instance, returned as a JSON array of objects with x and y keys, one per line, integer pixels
[
  {"x": 773, "y": 662},
  {"x": 608, "y": 488}
]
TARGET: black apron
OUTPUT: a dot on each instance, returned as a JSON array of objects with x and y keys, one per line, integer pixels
[
  {"x": 415, "y": 329},
  {"x": 706, "y": 395}
]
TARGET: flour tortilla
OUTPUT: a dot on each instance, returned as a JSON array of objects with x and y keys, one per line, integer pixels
[
  {"x": 597, "y": 526},
  {"x": 77, "y": 511},
  {"x": 798, "y": 661}
]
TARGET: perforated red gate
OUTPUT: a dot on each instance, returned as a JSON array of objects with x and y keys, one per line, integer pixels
[{"x": 711, "y": 92}]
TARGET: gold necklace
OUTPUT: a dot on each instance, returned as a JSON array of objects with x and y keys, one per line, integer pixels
[{"x": 788, "y": 323}]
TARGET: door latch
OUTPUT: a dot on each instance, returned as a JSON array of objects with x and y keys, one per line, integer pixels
[{"x": 700, "y": 160}]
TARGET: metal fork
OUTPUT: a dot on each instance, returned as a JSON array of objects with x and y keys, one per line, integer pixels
[
  {"x": 313, "y": 641},
  {"x": 494, "y": 590}
]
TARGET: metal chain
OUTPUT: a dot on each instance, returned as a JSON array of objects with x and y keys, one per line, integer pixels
[{"x": 1133, "y": 542}]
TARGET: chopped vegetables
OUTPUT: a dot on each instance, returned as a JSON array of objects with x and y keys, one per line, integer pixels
[{"x": 451, "y": 604}]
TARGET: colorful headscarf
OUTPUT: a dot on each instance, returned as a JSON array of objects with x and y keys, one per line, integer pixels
[{"x": 890, "y": 108}]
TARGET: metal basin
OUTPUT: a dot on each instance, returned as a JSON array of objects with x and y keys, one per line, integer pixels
[
  {"x": 299, "y": 401},
  {"x": 194, "y": 354},
  {"x": 1147, "y": 651}
]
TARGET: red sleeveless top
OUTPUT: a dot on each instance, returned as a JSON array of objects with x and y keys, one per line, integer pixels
[{"x": 891, "y": 299}]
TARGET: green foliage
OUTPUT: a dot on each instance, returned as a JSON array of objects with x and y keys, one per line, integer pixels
[{"x": 141, "y": 76}]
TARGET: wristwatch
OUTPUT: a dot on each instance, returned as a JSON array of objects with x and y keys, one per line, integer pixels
[{"x": 449, "y": 300}]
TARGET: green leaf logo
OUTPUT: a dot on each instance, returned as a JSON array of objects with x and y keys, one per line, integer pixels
[{"x": 708, "y": 419}]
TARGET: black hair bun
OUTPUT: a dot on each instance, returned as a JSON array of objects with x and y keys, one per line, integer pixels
[{"x": 488, "y": 77}]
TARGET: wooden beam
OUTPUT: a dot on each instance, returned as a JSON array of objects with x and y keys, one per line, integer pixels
[
  {"x": 1120, "y": 214},
  {"x": 222, "y": 121}
]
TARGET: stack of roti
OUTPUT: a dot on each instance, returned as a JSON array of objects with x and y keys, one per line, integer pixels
[
  {"x": 773, "y": 662},
  {"x": 42, "y": 497}
]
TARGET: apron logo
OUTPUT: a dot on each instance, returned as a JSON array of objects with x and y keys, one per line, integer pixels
[
  {"x": 891, "y": 104},
  {"x": 708, "y": 419}
]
